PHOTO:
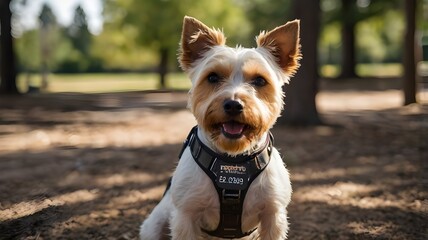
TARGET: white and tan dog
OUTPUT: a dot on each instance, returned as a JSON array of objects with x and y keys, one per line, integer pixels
[{"x": 236, "y": 97}]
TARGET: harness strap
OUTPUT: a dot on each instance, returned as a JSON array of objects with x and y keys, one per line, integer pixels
[{"x": 231, "y": 180}]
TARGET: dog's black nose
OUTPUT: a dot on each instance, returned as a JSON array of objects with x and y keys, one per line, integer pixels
[{"x": 233, "y": 107}]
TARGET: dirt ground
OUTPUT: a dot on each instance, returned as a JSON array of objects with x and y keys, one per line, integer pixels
[{"x": 76, "y": 166}]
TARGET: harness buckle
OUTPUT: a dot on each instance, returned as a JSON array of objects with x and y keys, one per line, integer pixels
[{"x": 230, "y": 196}]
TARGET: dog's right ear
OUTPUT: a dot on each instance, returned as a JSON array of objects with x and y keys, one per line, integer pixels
[{"x": 196, "y": 39}]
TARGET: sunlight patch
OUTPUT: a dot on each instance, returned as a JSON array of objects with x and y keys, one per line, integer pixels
[
  {"x": 31, "y": 207},
  {"x": 309, "y": 174},
  {"x": 346, "y": 193},
  {"x": 134, "y": 196},
  {"x": 125, "y": 178},
  {"x": 372, "y": 228},
  {"x": 333, "y": 194}
]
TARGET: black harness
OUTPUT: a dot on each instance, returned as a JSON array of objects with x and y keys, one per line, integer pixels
[{"x": 232, "y": 177}]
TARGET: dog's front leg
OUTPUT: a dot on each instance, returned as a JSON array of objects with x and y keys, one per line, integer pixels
[
  {"x": 183, "y": 227},
  {"x": 274, "y": 225}
]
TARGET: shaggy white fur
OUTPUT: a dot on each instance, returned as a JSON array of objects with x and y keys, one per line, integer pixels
[{"x": 253, "y": 77}]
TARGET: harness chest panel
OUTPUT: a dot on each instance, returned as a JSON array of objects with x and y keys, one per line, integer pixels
[{"x": 231, "y": 177}]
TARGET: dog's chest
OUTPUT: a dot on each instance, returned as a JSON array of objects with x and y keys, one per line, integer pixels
[{"x": 194, "y": 192}]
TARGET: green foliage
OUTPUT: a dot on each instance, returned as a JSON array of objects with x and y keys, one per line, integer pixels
[
  {"x": 379, "y": 31},
  {"x": 59, "y": 49},
  {"x": 384, "y": 22},
  {"x": 79, "y": 33},
  {"x": 27, "y": 49},
  {"x": 135, "y": 31},
  {"x": 156, "y": 25},
  {"x": 422, "y": 14},
  {"x": 49, "y": 37},
  {"x": 380, "y": 37},
  {"x": 47, "y": 17},
  {"x": 266, "y": 15},
  {"x": 330, "y": 44},
  {"x": 79, "y": 58},
  {"x": 230, "y": 16},
  {"x": 119, "y": 48}
]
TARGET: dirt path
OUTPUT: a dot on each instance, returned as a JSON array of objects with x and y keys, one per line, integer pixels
[{"x": 93, "y": 166}]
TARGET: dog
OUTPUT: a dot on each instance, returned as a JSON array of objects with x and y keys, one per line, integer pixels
[{"x": 230, "y": 182}]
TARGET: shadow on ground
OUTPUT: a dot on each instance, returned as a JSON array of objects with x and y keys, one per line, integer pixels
[{"x": 94, "y": 166}]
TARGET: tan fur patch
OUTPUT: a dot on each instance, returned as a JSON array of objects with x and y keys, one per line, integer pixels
[
  {"x": 284, "y": 44},
  {"x": 224, "y": 71},
  {"x": 252, "y": 69},
  {"x": 269, "y": 94},
  {"x": 196, "y": 39}
]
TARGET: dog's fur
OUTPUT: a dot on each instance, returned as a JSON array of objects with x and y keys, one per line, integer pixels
[{"x": 254, "y": 77}]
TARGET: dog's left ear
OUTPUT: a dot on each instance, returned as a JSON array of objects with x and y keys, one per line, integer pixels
[
  {"x": 284, "y": 44},
  {"x": 196, "y": 39}
]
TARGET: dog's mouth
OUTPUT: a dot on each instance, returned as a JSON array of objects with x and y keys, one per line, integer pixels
[{"x": 233, "y": 129}]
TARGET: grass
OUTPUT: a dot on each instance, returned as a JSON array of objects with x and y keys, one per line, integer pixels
[
  {"x": 104, "y": 82},
  {"x": 365, "y": 70},
  {"x": 123, "y": 82}
]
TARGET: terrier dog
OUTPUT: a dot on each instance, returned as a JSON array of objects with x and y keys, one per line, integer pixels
[{"x": 230, "y": 182}]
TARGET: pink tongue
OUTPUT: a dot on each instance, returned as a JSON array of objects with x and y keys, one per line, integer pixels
[{"x": 233, "y": 128}]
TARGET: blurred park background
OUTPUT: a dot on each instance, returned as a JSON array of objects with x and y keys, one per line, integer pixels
[
  {"x": 90, "y": 90},
  {"x": 72, "y": 46}
]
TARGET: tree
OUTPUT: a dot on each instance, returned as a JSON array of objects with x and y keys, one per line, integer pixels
[
  {"x": 349, "y": 21},
  {"x": 158, "y": 23},
  {"x": 350, "y": 14},
  {"x": 266, "y": 14},
  {"x": 28, "y": 44},
  {"x": 300, "y": 106},
  {"x": 79, "y": 32},
  {"x": 7, "y": 57},
  {"x": 409, "y": 63},
  {"x": 48, "y": 22},
  {"x": 80, "y": 58}
]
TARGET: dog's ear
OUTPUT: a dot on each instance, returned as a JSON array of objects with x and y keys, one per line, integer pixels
[
  {"x": 196, "y": 39},
  {"x": 284, "y": 44}
]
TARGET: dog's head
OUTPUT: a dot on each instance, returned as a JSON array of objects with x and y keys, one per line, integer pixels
[{"x": 236, "y": 93}]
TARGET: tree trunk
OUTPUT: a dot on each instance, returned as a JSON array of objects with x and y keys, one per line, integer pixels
[
  {"x": 348, "y": 39},
  {"x": 7, "y": 57},
  {"x": 409, "y": 63},
  {"x": 45, "y": 48},
  {"x": 163, "y": 67},
  {"x": 300, "y": 106}
]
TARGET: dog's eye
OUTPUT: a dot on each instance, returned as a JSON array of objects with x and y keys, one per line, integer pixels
[
  {"x": 259, "y": 81},
  {"x": 213, "y": 78}
]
